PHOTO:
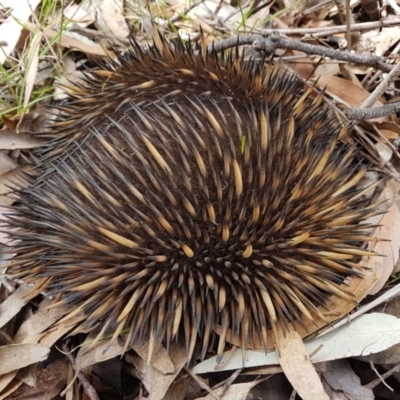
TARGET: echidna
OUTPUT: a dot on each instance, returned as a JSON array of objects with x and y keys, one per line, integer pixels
[{"x": 180, "y": 190}]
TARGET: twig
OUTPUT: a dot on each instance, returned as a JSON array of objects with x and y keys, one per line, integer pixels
[
  {"x": 381, "y": 379},
  {"x": 394, "y": 6},
  {"x": 366, "y": 111},
  {"x": 180, "y": 15},
  {"x": 348, "y": 24},
  {"x": 314, "y": 8},
  {"x": 97, "y": 34},
  {"x": 361, "y": 114},
  {"x": 386, "y": 375},
  {"x": 202, "y": 384},
  {"x": 87, "y": 387},
  {"x": 293, "y": 395},
  {"x": 382, "y": 87},
  {"x": 333, "y": 30},
  {"x": 228, "y": 382},
  {"x": 274, "y": 41}
]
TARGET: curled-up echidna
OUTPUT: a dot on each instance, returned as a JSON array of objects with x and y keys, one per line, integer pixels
[{"x": 182, "y": 190}]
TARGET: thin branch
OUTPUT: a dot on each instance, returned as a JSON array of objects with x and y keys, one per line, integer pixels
[
  {"x": 362, "y": 114},
  {"x": 274, "y": 41},
  {"x": 366, "y": 111},
  {"x": 349, "y": 21},
  {"x": 380, "y": 378},
  {"x": 202, "y": 384},
  {"x": 87, "y": 387},
  {"x": 180, "y": 15},
  {"x": 332, "y": 30},
  {"x": 384, "y": 376}
]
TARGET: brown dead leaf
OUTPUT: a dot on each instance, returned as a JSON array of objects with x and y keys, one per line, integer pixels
[
  {"x": 31, "y": 330},
  {"x": 13, "y": 304},
  {"x": 101, "y": 351},
  {"x": 381, "y": 39},
  {"x": 389, "y": 129},
  {"x": 156, "y": 383},
  {"x": 112, "y": 11},
  {"x": 341, "y": 377},
  {"x": 27, "y": 375},
  {"x": 305, "y": 70},
  {"x": 10, "y": 180},
  {"x": 348, "y": 74},
  {"x": 49, "y": 383},
  {"x": 298, "y": 368},
  {"x": 11, "y": 140},
  {"x": 71, "y": 40},
  {"x": 6, "y": 163},
  {"x": 8, "y": 385},
  {"x": 17, "y": 356},
  {"x": 347, "y": 91},
  {"x": 239, "y": 391},
  {"x": 178, "y": 390},
  {"x": 160, "y": 359},
  {"x": 50, "y": 336},
  {"x": 387, "y": 237},
  {"x": 385, "y": 153},
  {"x": 82, "y": 15},
  {"x": 327, "y": 69}
]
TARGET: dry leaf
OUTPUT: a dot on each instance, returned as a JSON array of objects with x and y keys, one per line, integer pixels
[
  {"x": 341, "y": 377},
  {"x": 16, "y": 356},
  {"x": 112, "y": 12},
  {"x": 296, "y": 365},
  {"x": 239, "y": 391},
  {"x": 388, "y": 238},
  {"x": 49, "y": 383},
  {"x": 382, "y": 39},
  {"x": 31, "y": 330},
  {"x": 50, "y": 336},
  {"x": 13, "y": 304},
  {"x": 178, "y": 389},
  {"x": 160, "y": 359},
  {"x": 10, "y": 180},
  {"x": 10, "y": 387},
  {"x": 82, "y": 15},
  {"x": 11, "y": 28},
  {"x": 368, "y": 334},
  {"x": 10, "y": 140},
  {"x": 346, "y": 91},
  {"x": 385, "y": 153},
  {"x": 71, "y": 40},
  {"x": 6, "y": 164},
  {"x": 388, "y": 129},
  {"x": 32, "y": 59},
  {"x": 326, "y": 69},
  {"x": 305, "y": 70},
  {"x": 209, "y": 10},
  {"x": 156, "y": 383},
  {"x": 101, "y": 351}
]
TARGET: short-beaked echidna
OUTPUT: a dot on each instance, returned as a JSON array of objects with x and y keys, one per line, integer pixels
[{"x": 182, "y": 189}]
